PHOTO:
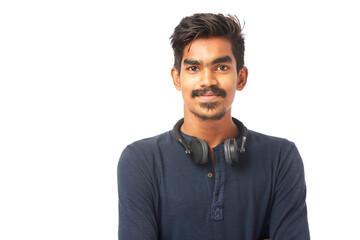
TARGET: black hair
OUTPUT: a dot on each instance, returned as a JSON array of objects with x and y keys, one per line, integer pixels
[{"x": 206, "y": 25}]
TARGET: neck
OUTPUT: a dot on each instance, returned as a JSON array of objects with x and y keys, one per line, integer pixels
[{"x": 213, "y": 132}]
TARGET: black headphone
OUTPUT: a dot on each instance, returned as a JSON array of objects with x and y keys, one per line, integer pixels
[{"x": 198, "y": 149}]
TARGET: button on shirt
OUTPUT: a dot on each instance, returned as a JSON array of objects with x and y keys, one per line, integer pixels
[{"x": 164, "y": 195}]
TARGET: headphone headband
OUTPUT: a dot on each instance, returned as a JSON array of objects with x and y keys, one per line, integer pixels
[
  {"x": 243, "y": 130},
  {"x": 190, "y": 151},
  {"x": 178, "y": 136}
]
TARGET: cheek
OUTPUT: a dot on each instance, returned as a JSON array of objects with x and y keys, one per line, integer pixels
[
  {"x": 186, "y": 92},
  {"x": 186, "y": 87},
  {"x": 231, "y": 92}
]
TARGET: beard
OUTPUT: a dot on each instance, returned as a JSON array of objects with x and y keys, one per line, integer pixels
[{"x": 209, "y": 106}]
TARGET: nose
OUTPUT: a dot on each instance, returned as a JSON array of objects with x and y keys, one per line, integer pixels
[{"x": 207, "y": 78}]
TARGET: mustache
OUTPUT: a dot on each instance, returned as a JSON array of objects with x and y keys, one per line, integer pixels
[{"x": 215, "y": 90}]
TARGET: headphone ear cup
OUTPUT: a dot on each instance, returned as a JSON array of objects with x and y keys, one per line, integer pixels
[
  {"x": 231, "y": 151},
  {"x": 199, "y": 153}
]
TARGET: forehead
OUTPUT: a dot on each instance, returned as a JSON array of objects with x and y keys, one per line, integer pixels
[{"x": 208, "y": 49}]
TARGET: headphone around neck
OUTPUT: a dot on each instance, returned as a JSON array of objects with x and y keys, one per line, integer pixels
[{"x": 198, "y": 148}]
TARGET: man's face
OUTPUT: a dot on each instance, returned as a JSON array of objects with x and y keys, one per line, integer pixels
[{"x": 208, "y": 77}]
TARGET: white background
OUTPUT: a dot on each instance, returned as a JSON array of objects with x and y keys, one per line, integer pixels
[{"x": 82, "y": 79}]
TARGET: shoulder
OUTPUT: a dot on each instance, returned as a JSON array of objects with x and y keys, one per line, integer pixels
[
  {"x": 281, "y": 152},
  {"x": 147, "y": 150},
  {"x": 151, "y": 144},
  {"x": 262, "y": 140},
  {"x": 275, "y": 149}
]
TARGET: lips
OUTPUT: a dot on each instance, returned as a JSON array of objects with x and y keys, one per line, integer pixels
[
  {"x": 208, "y": 96},
  {"x": 208, "y": 93}
]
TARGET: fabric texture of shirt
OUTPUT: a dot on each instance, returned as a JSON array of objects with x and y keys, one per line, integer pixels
[{"x": 164, "y": 195}]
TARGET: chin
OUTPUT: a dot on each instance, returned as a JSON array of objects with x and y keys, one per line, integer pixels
[{"x": 210, "y": 116}]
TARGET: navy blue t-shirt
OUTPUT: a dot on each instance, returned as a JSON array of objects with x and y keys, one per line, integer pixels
[{"x": 164, "y": 195}]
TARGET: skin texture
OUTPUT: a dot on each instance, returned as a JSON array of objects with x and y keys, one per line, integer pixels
[{"x": 209, "y": 63}]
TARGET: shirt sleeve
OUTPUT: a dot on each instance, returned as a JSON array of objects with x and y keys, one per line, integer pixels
[
  {"x": 137, "y": 218},
  {"x": 288, "y": 218}
]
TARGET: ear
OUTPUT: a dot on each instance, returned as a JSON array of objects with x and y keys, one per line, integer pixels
[
  {"x": 242, "y": 78},
  {"x": 176, "y": 78}
]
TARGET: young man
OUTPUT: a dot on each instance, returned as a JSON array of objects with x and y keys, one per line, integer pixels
[{"x": 209, "y": 177}]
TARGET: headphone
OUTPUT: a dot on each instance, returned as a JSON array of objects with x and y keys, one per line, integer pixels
[{"x": 198, "y": 148}]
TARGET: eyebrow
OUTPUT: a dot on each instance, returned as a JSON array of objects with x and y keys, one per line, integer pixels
[
  {"x": 226, "y": 59},
  {"x": 191, "y": 62}
]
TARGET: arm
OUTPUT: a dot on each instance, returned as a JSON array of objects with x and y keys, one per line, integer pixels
[
  {"x": 288, "y": 218},
  {"x": 136, "y": 198}
]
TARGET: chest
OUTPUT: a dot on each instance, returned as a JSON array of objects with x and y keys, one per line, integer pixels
[{"x": 215, "y": 192}]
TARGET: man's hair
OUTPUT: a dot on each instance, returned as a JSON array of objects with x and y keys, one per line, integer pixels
[{"x": 206, "y": 25}]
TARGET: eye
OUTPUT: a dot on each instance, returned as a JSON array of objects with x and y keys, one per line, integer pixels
[
  {"x": 192, "y": 68},
  {"x": 222, "y": 68}
]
